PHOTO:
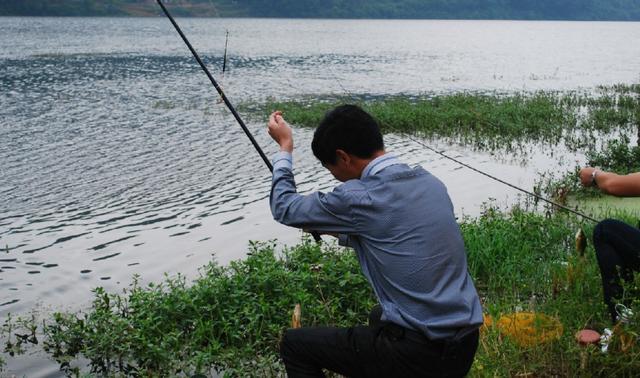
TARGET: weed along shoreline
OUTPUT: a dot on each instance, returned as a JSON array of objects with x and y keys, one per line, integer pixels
[
  {"x": 523, "y": 259},
  {"x": 491, "y": 121}
]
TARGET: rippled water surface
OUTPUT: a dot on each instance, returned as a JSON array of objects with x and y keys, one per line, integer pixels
[{"x": 117, "y": 159}]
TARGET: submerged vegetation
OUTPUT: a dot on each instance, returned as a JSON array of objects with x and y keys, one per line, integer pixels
[
  {"x": 231, "y": 318},
  {"x": 493, "y": 122}
]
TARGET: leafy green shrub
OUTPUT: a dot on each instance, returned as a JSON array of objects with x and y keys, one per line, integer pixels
[{"x": 225, "y": 320}]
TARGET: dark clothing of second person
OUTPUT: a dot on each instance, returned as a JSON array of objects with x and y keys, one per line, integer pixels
[{"x": 617, "y": 248}]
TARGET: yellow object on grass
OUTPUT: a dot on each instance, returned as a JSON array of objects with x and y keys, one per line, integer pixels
[
  {"x": 528, "y": 328},
  {"x": 487, "y": 322}
]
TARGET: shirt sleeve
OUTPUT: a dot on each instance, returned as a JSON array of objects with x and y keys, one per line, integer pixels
[{"x": 324, "y": 212}]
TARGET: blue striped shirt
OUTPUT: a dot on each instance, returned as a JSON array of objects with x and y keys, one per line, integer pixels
[{"x": 401, "y": 224}]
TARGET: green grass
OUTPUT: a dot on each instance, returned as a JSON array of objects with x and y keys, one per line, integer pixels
[
  {"x": 490, "y": 122},
  {"x": 526, "y": 261},
  {"x": 231, "y": 318}
]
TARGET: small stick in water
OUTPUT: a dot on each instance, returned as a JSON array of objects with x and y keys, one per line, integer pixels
[{"x": 224, "y": 60}]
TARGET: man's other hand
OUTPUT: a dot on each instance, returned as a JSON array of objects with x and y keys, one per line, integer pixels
[{"x": 280, "y": 131}]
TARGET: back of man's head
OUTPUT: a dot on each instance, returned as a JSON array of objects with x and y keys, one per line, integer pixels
[{"x": 348, "y": 128}]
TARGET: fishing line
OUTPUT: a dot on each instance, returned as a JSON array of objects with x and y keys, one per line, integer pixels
[
  {"x": 533, "y": 194},
  {"x": 316, "y": 236},
  {"x": 539, "y": 197}
]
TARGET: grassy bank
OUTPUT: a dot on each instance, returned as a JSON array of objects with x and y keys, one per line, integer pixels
[
  {"x": 231, "y": 318},
  {"x": 491, "y": 121}
]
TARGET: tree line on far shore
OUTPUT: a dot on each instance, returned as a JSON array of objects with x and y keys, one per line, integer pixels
[{"x": 620, "y": 10}]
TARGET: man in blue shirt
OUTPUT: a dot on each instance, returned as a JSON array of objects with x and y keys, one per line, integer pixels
[{"x": 401, "y": 224}]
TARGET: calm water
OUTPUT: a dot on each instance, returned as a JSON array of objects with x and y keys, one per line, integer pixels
[{"x": 116, "y": 158}]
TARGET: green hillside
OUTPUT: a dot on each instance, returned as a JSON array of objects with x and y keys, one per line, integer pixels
[
  {"x": 144, "y": 8},
  {"x": 621, "y": 10}
]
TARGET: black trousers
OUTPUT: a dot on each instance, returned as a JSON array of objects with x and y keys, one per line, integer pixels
[
  {"x": 618, "y": 251},
  {"x": 380, "y": 349}
]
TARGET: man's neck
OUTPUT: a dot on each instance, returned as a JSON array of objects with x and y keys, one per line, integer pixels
[{"x": 362, "y": 163}]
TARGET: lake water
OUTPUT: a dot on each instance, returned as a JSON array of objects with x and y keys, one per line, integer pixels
[{"x": 116, "y": 158}]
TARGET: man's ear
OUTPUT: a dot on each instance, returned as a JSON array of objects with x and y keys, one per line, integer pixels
[{"x": 342, "y": 156}]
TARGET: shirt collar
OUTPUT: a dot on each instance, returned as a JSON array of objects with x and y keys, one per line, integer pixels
[{"x": 378, "y": 164}]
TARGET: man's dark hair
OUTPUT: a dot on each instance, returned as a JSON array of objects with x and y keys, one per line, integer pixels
[{"x": 348, "y": 128}]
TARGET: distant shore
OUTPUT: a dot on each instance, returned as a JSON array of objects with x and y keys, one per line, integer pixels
[
  {"x": 213, "y": 15},
  {"x": 516, "y": 10}
]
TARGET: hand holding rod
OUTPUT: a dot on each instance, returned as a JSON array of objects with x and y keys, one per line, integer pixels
[{"x": 316, "y": 236}]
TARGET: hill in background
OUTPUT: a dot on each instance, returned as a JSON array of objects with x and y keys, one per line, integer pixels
[
  {"x": 620, "y": 10},
  {"x": 141, "y": 8}
]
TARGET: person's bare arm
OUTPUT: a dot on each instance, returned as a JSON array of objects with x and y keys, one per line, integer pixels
[{"x": 612, "y": 183}]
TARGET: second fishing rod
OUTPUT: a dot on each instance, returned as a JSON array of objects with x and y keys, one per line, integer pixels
[{"x": 226, "y": 101}]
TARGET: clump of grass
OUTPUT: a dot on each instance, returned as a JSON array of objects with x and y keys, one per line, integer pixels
[
  {"x": 231, "y": 318},
  {"x": 464, "y": 118},
  {"x": 618, "y": 156},
  {"x": 490, "y": 122}
]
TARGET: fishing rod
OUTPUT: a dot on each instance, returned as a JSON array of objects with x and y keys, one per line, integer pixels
[
  {"x": 226, "y": 101},
  {"x": 535, "y": 195}
]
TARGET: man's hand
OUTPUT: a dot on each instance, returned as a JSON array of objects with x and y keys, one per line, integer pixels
[
  {"x": 586, "y": 178},
  {"x": 280, "y": 131}
]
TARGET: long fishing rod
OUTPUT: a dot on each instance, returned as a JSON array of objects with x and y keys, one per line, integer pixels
[
  {"x": 539, "y": 197},
  {"x": 316, "y": 236}
]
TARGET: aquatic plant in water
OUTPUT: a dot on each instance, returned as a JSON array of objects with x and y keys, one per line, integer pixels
[{"x": 489, "y": 122}]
